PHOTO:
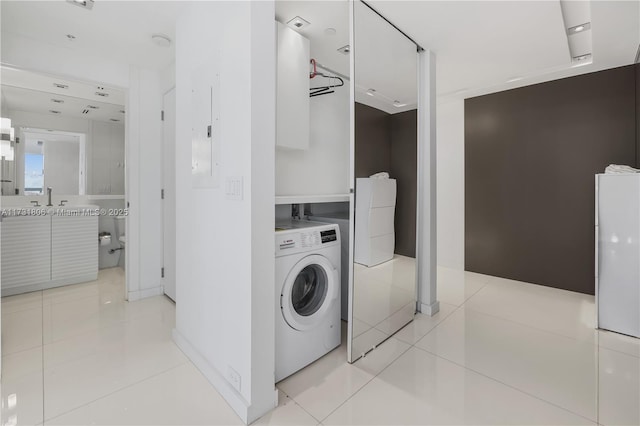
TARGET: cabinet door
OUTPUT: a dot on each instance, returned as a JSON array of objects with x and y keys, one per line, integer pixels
[
  {"x": 74, "y": 247},
  {"x": 26, "y": 250},
  {"x": 292, "y": 99}
]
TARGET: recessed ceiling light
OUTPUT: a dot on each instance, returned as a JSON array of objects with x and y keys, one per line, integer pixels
[
  {"x": 579, "y": 28},
  {"x": 345, "y": 49},
  {"x": 57, "y": 101},
  {"x": 161, "y": 40},
  {"x": 85, "y": 4},
  {"x": 398, "y": 104},
  {"x": 298, "y": 23},
  {"x": 60, "y": 86},
  {"x": 371, "y": 92},
  {"x": 53, "y": 111},
  {"x": 92, "y": 107},
  {"x": 330, "y": 31},
  {"x": 102, "y": 94},
  {"x": 71, "y": 37},
  {"x": 114, "y": 119},
  {"x": 511, "y": 80}
]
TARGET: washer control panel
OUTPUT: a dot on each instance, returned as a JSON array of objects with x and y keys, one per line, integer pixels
[{"x": 300, "y": 240}]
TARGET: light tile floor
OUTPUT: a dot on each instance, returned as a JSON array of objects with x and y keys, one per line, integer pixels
[{"x": 499, "y": 352}]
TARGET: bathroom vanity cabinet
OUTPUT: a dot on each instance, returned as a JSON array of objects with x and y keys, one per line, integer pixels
[{"x": 40, "y": 252}]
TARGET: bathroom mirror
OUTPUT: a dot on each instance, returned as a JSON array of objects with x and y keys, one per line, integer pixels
[
  {"x": 384, "y": 245},
  {"x": 68, "y": 135}
]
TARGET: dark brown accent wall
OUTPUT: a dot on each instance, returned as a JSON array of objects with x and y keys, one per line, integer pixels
[
  {"x": 373, "y": 144},
  {"x": 530, "y": 159},
  {"x": 388, "y": 143},
  {"x": 404, "y": 168}
]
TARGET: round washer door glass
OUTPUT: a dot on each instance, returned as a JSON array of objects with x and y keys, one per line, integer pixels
[{"x": 309, "y": 290}]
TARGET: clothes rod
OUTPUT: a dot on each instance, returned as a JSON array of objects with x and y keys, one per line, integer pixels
[{"x": 344, "y": 77}]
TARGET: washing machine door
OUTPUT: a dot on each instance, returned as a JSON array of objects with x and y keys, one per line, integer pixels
[{"x": 310, "y": 289}]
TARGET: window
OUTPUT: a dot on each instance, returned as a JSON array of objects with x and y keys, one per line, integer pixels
[{"x": 33, "y": 174}]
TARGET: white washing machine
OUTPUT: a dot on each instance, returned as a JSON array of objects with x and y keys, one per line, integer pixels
[{"x": 307, "y": 293}]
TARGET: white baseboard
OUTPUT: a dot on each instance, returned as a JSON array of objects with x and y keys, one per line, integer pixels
[
  {"x": 144, "y": 293},
  {"x": 233, "y": 398},
  {"x": 430, "y": 310}
]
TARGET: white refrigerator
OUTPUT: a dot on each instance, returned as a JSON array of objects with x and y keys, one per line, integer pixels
[{"x": 618, "y": 252}]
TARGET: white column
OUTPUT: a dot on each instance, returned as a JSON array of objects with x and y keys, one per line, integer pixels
[{"x": 426, "y": 232}]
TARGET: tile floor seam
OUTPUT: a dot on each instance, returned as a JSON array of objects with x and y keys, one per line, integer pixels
[
  {"x": 597, "y": 330},
  {"x": 296, "y": 402},
  {"x": 507, "y": 385},
  {"x": 93, "y": 332},
  {"x": 573, "y": 339},
  {"x": 433, "y": 328},
  {"x": 20, "y": 351},
  {"x": 366, "y": 383},
  {"x": 113, "y": 392}
]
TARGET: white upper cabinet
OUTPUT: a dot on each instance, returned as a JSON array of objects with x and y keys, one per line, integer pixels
[{"x": 292, "y": 104}]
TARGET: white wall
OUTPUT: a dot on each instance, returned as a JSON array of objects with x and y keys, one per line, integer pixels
[
  {"x": 225, "y": 253},
  {"x": 324, "y": 167},
  {"x": 450, "y": 183}
]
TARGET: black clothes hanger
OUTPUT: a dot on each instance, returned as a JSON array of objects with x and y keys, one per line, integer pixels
[{"x": 323, "y": 90}]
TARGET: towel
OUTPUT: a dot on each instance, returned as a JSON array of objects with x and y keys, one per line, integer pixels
[{"x": 619, "y": 169}]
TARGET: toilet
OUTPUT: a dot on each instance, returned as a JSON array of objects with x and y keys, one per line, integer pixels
[{"x": 119, "y": 223}]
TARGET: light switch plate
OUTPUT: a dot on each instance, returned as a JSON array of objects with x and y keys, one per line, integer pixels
[{"x": 233, "y": 188}]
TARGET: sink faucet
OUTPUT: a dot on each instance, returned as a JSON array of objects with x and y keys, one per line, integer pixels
[{"x": 49, "y": 189}]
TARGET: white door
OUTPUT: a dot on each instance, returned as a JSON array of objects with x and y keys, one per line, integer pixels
[{"x": 169, "y": 194}]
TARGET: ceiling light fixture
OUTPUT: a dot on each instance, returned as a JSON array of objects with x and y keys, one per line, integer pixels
[
  {"x": 102, "y": 94},
  {"x": 398, "y": 104},
  {"x": 92, "y": 107},
  {"x": 85, "y": 4},
  {"x": 114, "y": 119},
  {"x": 57, "y": 101},
  {"x": 53, "y": 111},
  {"x": 582, "y": 58},
  {"x": 511, "y": 80},
  {"x": 60, "y": 86},
  {"x": 298, "y": 23},
  {"x": 161, "y": 40},
  {"x": 579, "y": 28},
  {"x": 371, "y": 92},
  {"x": 345, "y": 50}
]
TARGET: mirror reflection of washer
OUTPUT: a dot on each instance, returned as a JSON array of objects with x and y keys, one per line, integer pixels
[{"x": 307, "y": 293}]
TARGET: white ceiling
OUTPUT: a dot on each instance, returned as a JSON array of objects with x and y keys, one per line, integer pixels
[
  {"x": 118, "y": 30},
  {"x": 480, "y": 45},
  {"x": 35, "y": 92}
]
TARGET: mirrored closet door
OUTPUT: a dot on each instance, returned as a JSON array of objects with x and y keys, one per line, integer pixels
[{"x": 383, "y": 289}]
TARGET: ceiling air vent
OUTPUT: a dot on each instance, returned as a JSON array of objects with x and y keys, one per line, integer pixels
[
  {"x": 102, "y": 94},
  {"x": 85, "y": 4},
  {"x": 60, "y": 86}
]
